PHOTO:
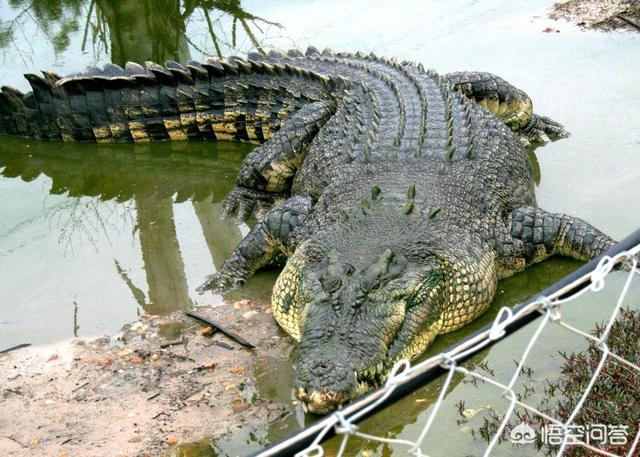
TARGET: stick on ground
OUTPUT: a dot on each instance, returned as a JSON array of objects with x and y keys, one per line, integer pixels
[
  {"x": 237, "y": 338},
  {"x": 13, "y": 348}
]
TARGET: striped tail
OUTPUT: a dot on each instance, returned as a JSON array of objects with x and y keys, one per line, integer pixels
[{"x": 232, "y": 99}]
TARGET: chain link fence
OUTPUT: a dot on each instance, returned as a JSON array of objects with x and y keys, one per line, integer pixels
[{"x": 548, "y": 308}]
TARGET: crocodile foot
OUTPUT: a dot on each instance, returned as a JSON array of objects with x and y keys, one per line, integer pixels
[
  {"x": 542, "y": 130},
  {"x": 222, "y": 281},
  {"x": 244, "y": 202}
]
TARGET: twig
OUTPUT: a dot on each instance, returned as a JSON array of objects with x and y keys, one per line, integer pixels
[
  {"x": 233, "y": 31},
  {"x": 14, "y": 440},
  {"x": 237, "y": 338},
  {"x": 153, "y": 396},
  {"x": 13, "y": 348},
  {"x": 80, "y": 387},
  {"x": 160, "y": 414},
  {"x": 181, "y": 357},
  {"x": 171, "y": 343},
  {"x": 14, "y": 391},
  {"x": 196, "y": 47},
  {"x": 251, "y": 36},
  {"x": 212, "y": 33},
  {"x": 86, "y": 25},
  {"x": 628, "y": 21},
  {"x": 222, "y": 344}
]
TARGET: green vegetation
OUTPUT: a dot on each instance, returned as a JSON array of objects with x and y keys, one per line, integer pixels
[{"x": 614, "y": 399}]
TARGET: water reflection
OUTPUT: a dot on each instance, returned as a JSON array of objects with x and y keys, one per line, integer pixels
[
  {"x": 143, "y": 182},
  {"x": 133, "y": 30},
  {"x": 136, "y": 30},
  {"x": 161, "y": 255}
]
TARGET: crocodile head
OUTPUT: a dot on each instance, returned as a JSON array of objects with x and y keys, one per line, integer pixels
[{"x": 355, "y": 316}]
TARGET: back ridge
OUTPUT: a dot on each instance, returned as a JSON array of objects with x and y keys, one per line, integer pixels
[{"x": 230, "y": 99}]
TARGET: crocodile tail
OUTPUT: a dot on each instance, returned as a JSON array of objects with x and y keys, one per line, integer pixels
[{"x": 232, "y": 99}]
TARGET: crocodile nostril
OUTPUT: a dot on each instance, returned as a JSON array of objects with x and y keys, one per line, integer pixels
[{"x": 321, "y": 367}]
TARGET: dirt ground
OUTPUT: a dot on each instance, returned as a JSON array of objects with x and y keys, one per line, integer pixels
[
  {"x": 128, "y": 396},
  {"x": 600, "y": 14}
]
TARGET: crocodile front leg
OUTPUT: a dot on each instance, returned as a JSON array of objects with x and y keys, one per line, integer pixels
[
  {"x": 279, "y": 231},
  {"x": 509, "y": 103},
  {"x": 537, "y": 234},
  {"x": 267, "y": 172}
]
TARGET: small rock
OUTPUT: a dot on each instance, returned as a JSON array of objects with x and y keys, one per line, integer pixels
[
  {"x": 105, "y": 362},
  {"x": 135, "y": 439},
  {"x": 137, "y": 326},
  {"x": 49, "y": 402},
  {"x": 125, "y": 352},
  {"x": 172, "y": 440},
  {"x": 53, "y": 357},
  {"x": 240, "y": 303},
  {"x": 237, "y": 370},
  {"x": 240, "y": 406},
  {"x": 135, "y": 358},
  {"x": 209, "y": 366},
  {"x": 207, "y": 331},
  {"x": 34, "y": 442},
  {"x": 154, "y": 358},
  {"x": 249, "y": 314},
  {"x": 229, "y": 386}
]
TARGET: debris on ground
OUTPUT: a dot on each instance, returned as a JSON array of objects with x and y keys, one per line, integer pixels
[
  {"x": 600, "y": 14},
  {"x": 164, "y": 381}
]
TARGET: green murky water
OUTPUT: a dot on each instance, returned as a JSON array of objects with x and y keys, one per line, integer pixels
[{"x": 92, "y": 236}]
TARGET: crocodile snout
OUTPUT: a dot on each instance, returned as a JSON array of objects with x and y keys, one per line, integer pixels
[{"x": 321, "y": 401}]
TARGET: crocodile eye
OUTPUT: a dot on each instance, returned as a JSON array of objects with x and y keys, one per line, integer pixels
[
  {"x": 349, "y": 269},
  {"x": 334, "y": 285},
  {"x": 331, "y": 285},
  {"x": 376, "y": 288}
]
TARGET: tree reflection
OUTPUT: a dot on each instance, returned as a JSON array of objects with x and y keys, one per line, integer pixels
[
  {"x": 139, "y": 30},
  {"x": 132, "y": 189},
  {"x": 161, "y": 255}
]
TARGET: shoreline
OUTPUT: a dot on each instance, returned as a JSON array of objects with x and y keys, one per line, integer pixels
[{"x": 142, "y": 392}]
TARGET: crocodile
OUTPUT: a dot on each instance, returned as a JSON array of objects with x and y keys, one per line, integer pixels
[{"x": 399, "y": 196}]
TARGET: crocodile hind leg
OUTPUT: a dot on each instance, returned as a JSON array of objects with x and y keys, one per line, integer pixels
[
  {"x": 277, "y": 232},
  {"x": 510, "y": 104},
  {"x": 537, "y": 234},
  {"x": 267, "y": 172}
]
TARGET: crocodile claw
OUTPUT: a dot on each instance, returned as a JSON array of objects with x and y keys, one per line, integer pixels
[
  {"x": 243, "y": 202},
  {"x": 542, "y": 130},
  {"x": 221, "y": 282}
]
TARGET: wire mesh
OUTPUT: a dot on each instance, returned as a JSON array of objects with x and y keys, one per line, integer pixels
[{"x": 344, "y": 422}]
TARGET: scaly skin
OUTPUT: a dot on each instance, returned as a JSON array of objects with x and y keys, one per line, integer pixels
[{"x": 399, "y": 196}]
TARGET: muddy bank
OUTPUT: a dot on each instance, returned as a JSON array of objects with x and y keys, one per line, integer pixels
[
  {"x": 600, "y": 14},
  {"x": 162, "y": 383}
]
